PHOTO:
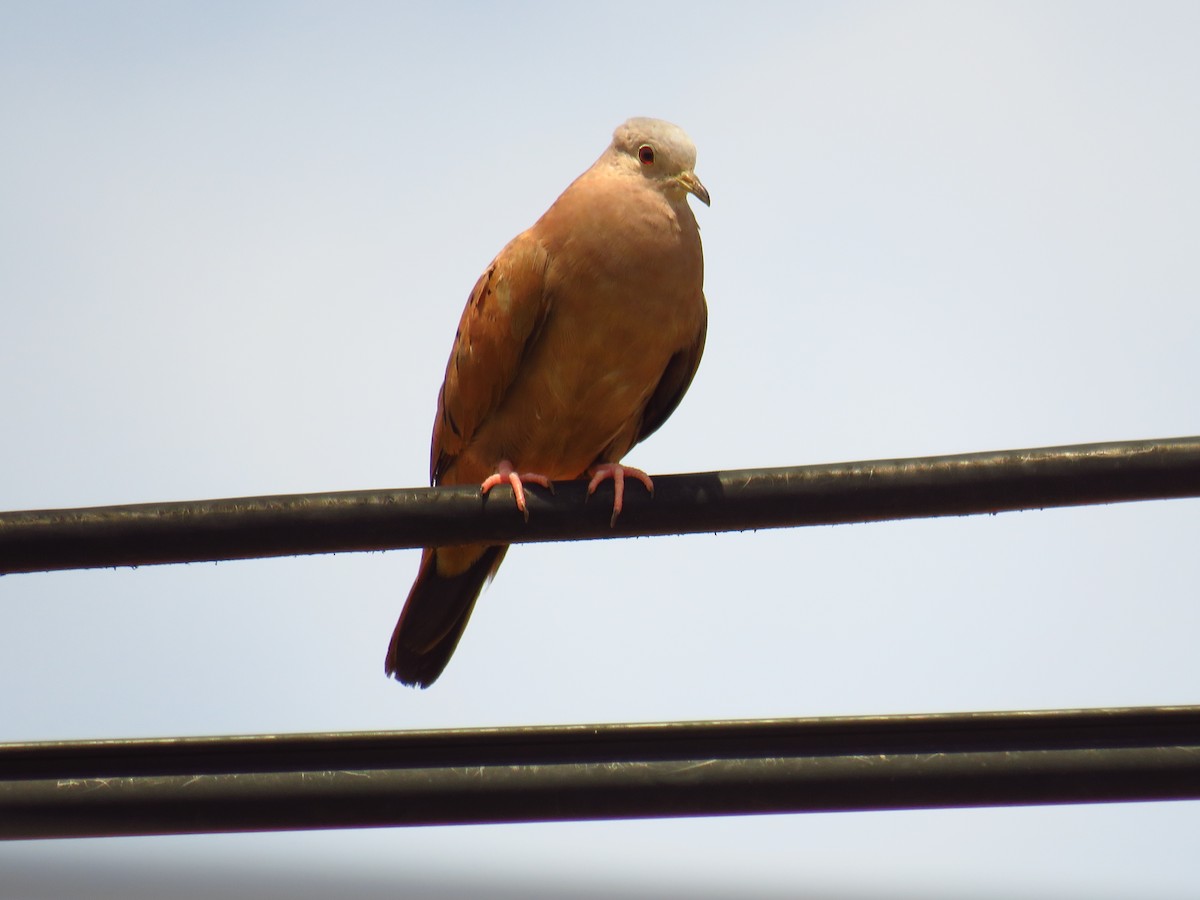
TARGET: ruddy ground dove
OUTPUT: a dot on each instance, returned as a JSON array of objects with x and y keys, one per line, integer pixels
[{"x": 577, "y": 342}]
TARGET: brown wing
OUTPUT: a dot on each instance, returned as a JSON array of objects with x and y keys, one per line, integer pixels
[
  {"x": 676, "y": 379},
  {"x": 503, "y": 317}
]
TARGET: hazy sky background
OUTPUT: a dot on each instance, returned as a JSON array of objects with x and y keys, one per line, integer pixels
[{"x": 235, "y": 239}]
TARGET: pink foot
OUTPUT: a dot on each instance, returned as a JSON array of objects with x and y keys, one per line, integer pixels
[
  {"x": 505, "y": 473},
  {"x": 617, "y": 473}
]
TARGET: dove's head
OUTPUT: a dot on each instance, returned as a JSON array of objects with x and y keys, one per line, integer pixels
[{"x": 662, "y": 152}]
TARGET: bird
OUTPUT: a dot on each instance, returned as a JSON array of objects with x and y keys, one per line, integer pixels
[{"x": 577, "y": 342}]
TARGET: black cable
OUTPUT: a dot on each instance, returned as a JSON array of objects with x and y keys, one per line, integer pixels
[
  {"x": 876, "y": 490},
  {"x": 288, "y": 782}
]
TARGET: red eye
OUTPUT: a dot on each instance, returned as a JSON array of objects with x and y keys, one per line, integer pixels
[{"x": 646, "y": 154}]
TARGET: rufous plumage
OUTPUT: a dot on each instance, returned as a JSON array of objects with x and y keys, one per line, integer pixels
[{"x": 577, "y": 342}]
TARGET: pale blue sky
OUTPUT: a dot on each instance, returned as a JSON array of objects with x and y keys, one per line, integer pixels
[{"x": 236, "y": 239}]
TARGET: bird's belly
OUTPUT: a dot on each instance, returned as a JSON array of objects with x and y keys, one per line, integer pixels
[{"x": 583, "y": 389}]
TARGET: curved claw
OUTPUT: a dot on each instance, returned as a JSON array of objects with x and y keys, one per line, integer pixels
[
  {"x": 618, "y": 474},
  {"x": 505, "y": 473}
]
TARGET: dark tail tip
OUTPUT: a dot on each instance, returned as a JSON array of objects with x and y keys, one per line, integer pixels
[{"x": 434, "y": 617}]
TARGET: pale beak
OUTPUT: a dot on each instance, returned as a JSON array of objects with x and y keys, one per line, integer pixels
[{"x": 690, "y": 183}]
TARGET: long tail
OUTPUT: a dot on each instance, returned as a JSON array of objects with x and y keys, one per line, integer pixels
[{"x": 434, "y": 616}]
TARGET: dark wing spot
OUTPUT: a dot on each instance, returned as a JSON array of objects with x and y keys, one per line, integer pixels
[{"x": 447, "y": 415}]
